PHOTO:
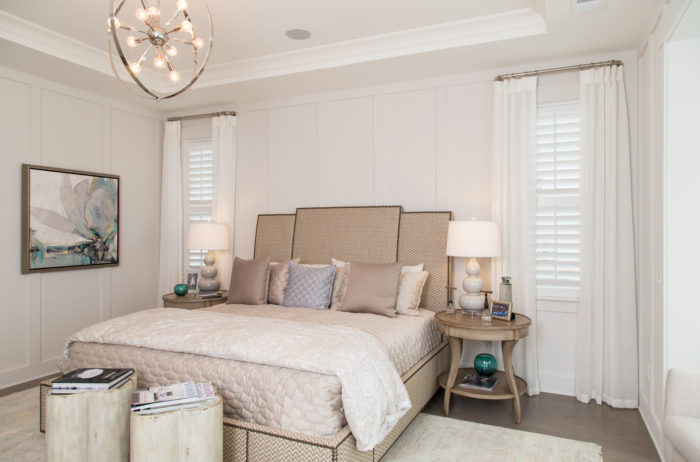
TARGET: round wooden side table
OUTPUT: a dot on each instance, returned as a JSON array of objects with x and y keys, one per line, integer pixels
[{"x": 457, "y": 327}]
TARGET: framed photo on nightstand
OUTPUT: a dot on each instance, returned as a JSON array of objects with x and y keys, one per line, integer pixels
[
  {"x": 192, "y": 281},
  {"x": 501, "y": 310}
]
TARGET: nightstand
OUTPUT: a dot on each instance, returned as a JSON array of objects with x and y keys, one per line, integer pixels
[
  {"x": 457, "y": 327},
  {"x": 189, "y": 301}
]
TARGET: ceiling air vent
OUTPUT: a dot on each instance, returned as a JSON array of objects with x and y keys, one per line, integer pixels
[{"x": 586, "y": 6}]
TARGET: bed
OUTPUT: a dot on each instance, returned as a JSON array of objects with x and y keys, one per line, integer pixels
[{"x": 301, "y": 415}]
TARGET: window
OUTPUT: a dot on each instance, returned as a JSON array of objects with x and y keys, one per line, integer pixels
[
  {"x": 199, "y": 192},
  {"x": 558, "y": 229}
]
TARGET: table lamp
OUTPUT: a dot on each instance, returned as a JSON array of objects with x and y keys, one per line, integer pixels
[
  {"x": 209, "y": 237},
  {"x": 473, "y": 239}
]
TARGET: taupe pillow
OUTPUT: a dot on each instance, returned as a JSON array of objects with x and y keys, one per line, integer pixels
[
  {"x": 372, "y": 289},
  {"x": 249, "y": 279}
]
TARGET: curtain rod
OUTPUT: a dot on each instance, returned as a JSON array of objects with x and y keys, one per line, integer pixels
[
  {"x": 554, "y": 70},
  {"x": 201, "y": 116}
]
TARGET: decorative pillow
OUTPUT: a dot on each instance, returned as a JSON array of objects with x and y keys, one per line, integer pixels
[
  {"x": 249, "y": 279},
  {"x": 279, "y": 276},
  {"x": 410, "y": 290},
  {"x": 309, "y": 287},
  {"x": 372, "y": 289},
  {"x": 340, "y": 284}
]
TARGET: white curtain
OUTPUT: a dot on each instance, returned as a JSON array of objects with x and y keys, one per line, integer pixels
[
  {"x": 171, "y": 244},
  {"x": 606, "y": 345},
  {"x": 223, "y": 141},
  {"x": 514, "y": 204}
]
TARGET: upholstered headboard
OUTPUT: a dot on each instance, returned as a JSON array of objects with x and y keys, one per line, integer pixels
[{"x": 381, "y": 234}]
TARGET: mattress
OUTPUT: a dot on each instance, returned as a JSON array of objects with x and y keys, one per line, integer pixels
[{"x": 294, "y": 400}]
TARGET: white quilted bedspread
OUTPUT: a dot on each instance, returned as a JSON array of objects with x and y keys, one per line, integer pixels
[{"x": 374, "y": 397}]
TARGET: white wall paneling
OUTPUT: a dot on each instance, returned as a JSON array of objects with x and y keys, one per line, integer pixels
[
  {"x": 410, "y": 149},
  {"x": 293, "y": 157},
  {"x": 52, "y": 125},
  {"x": 15, "y": 126},
  {"x": 251, "y": 178},
  {"x": 349, "y": 152}
]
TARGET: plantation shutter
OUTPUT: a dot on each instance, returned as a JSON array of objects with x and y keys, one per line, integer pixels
[
  {"x": 558, "y": 233},
  {"x": 199, "y": 192}
]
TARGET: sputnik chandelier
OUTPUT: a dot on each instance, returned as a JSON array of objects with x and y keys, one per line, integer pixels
[{"x": 159, "y": 46}]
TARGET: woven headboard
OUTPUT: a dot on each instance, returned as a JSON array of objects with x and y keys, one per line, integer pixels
[{"x": 381, "y": 234}]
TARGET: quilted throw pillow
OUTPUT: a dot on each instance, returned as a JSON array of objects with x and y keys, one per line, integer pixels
[
  {"x": 309, "y": 287},
  {"x": 279, "y": 277},
  {"x": 410, "y": 290}
]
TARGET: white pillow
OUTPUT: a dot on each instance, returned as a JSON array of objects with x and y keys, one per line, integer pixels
[
  {"x": 410, "y": 290},
  {"x": 340, "y": 284},
  {"x": 412, "y": 269}
]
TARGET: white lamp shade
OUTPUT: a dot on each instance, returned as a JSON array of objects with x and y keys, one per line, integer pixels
[
  {"x": 207, "y": 236},
  {"x": 474, "y": 239}
]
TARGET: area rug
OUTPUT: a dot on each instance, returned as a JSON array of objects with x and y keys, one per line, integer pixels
[
  {"x": 441, "y": 439},
  {"x": 428, "y": 438}
]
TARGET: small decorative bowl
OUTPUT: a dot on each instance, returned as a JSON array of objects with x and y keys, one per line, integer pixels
[{"x": 180, "y": 289}]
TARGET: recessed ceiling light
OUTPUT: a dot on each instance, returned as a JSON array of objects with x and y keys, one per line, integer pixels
[
  {"x": 586, "y": 6},
  {"x": 298, "y": 34}
]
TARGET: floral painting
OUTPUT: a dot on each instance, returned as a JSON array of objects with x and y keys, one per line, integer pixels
[{"x": 70, "y": 219}]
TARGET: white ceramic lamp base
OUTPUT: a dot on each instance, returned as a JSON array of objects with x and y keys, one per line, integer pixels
[
  {"x": 208, "y": 280},
  {"x": 473, "y": 299}
]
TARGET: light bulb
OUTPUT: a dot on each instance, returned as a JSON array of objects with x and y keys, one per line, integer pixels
[
  {"x": 174, "y": 76},
  {"x": 171, "y": 50},
  {"x": 141, "y": 14},
  {"x": 198, "y": 42},
  {"x": 181, "y": 5},
  {"x": 159, "y": 62},
  {"x": 186, "y": 26},
  {"x": 153, "y": 11},
  {"x": 135, "y": 68},
  {"x": 131, "y": 41}
]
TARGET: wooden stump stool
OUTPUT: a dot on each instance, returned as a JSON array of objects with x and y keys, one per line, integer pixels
[
  {"x": 182, "y": 435},
  {"x": 90, "y": 425}
]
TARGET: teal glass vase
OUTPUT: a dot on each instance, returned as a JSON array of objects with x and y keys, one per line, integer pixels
[
  {"x": 180, "y": 289},
  {"x": 485, "y": 364}
]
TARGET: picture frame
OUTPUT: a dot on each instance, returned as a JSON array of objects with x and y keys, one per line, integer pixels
[
  {"x": 501, "y": 310},
  {"x": 70, "y": 219},
  {"x": 192, "y": 281}
]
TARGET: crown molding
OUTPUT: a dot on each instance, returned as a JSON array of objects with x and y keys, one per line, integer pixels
[
  {"x": 491, "y": 28},
  {"x": 31, "y": 35},
  {"x": 502, "y": 26}
]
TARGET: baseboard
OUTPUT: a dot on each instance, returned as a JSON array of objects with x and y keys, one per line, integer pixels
[
  {"x": 25, "y": 385},
  {"x": 557, "y": 384},
  {"x": 655, "y": 430}
]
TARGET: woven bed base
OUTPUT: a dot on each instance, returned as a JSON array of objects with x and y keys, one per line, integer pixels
[{"x": 248, "y": 442}]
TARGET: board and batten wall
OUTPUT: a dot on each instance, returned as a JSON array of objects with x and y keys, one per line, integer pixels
[
  {"x": 423, "y": 144},
  {"x": 52, "y": 125}
]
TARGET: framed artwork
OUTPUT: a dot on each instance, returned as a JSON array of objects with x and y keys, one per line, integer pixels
[
  {"x": 192, "y": 281},
  {"x": 70, "y": 219},
  {"x": 501, "y": 310}
]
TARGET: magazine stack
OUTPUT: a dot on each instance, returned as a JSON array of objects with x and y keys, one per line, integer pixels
[
  {"x": 90, "y": 379},
  {"x": 171, "y": 397}
]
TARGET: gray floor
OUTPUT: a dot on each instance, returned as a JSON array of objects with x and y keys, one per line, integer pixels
[{"x": 621, "y": 432}]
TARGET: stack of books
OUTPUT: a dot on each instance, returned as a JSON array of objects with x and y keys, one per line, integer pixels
[
  {"x": 90, "y": 379},
  {"x": 209, "y": 294},
  {"x": 171, "y": 397},
  {"x": 479, "y": 382}
]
